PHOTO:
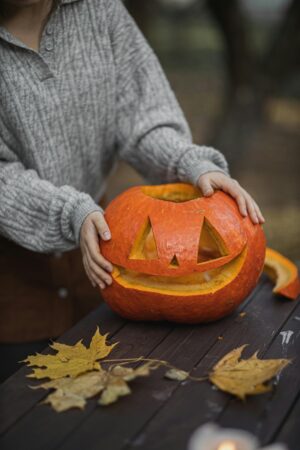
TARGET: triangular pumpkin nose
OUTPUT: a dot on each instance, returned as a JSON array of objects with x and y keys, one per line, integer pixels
[
  {"x": 174, "y": 262},
  {"x": 144, "y": 246},
  {"x": 211, "y": 245}
]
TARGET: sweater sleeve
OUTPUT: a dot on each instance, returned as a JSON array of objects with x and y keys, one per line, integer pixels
[
  {"x": 36, "y": 214},
  {"x": 152, "y": 133}
]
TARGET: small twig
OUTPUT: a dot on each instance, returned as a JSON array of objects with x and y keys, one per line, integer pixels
[{"x": 124, "y": 361}]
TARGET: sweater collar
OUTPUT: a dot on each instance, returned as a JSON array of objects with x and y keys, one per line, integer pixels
[
  {"x": 64, "y": 2},
  {"x": 6, "y": 36}
]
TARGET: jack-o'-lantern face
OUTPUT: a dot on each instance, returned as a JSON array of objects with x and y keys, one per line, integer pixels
[{"x": 170, "y": 242}]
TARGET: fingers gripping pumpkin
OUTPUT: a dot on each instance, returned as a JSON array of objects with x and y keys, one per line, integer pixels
[{"x": 179, "y": 256}]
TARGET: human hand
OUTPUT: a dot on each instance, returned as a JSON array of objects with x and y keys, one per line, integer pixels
[
  {"x": 211, "y": 181},
  {"x": 96, "y": 266}
]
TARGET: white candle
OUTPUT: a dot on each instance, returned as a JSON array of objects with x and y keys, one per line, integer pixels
[
  {"x": 227, "y": 445},
  {"x": 212, "y": 437}
]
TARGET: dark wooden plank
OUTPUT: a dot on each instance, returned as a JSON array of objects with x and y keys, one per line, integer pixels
[
  {"x": 264, "y": 414},
  {"x": 115, "y": 425},
  {"x": 57, "y": 429},
  {"x": 290, "y": 430},
  {"x": 48, "y": 428},
  {"x": 15, "y": 396},
  {"x": 193, "y": 404}
]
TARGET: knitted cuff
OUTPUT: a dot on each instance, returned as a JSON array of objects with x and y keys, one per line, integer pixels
[
  {"x": 81, "y": 210},
  {"x": 198, "y": 161}
]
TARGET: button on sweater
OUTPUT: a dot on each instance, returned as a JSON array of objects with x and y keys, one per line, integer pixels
[{"x": 93, "y": 94}]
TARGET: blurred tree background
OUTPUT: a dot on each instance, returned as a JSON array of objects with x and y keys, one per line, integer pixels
[{"x": 235, "y": 68}]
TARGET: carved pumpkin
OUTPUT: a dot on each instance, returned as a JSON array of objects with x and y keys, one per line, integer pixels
[{"x": 179, "y": 256}]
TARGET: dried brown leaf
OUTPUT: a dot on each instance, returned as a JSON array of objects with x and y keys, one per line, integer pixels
[
  {"x": 176, "y": 374},
  {"x": 73, "y": 392},
  {"x": 247, "y": 376},
  {"x": 129, "y": 373},
  {"x": 116, "y": 388}
]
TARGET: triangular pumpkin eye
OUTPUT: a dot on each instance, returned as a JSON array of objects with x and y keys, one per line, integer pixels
[
  {"x": 211, "y": 245},
  {"x": 144, "y": 246},
  {"x": 174, "y": 262}
]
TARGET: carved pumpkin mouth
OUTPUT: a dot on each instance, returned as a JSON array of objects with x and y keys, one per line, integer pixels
[{"x": 194, "y": 284}]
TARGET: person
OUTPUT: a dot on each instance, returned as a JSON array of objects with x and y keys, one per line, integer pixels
[{"x": 80, "y": 89}]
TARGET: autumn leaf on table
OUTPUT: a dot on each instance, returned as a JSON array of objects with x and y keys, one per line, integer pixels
[
  {"x": 73, "y": 392},
  {"x": 76, "y": 375},
  {"x": 176, "y": 374},
  {"x": 242, "y": 377},
  {"x": 117, "y": 381},
  {"x": 70, "y": 360}
]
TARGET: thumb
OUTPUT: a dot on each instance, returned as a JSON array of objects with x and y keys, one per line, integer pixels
[
  {"x": 205, "y": 186},
  {"x": 102, "y": 227}
]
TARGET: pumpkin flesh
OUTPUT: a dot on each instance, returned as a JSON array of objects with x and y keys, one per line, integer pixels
[
  {"x": 283, "y": 272},
  {"x": 193, "y": 284}
]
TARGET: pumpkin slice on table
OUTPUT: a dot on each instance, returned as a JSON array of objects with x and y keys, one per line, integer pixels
[{"x": 284, "y": 273}]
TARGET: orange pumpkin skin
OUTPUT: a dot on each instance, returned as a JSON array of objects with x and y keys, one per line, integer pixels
[
  {"x": 291, "y": 291},
  {"x": 284, "y": 273},
  {"x": 176, "y": 229}
]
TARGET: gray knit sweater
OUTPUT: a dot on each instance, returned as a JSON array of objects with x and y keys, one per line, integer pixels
[{"x": 93, "y": 94}]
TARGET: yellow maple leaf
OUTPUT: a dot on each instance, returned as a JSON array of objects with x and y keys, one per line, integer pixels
[
  {"x": 247, "y": 376},
  {"x": 70, "y": 360}
]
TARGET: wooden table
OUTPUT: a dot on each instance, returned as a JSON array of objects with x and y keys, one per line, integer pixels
[{"x": 162, "y": 414}]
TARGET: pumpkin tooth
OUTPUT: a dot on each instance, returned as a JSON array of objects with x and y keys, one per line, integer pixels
[{"x": 206, "y": 276}]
